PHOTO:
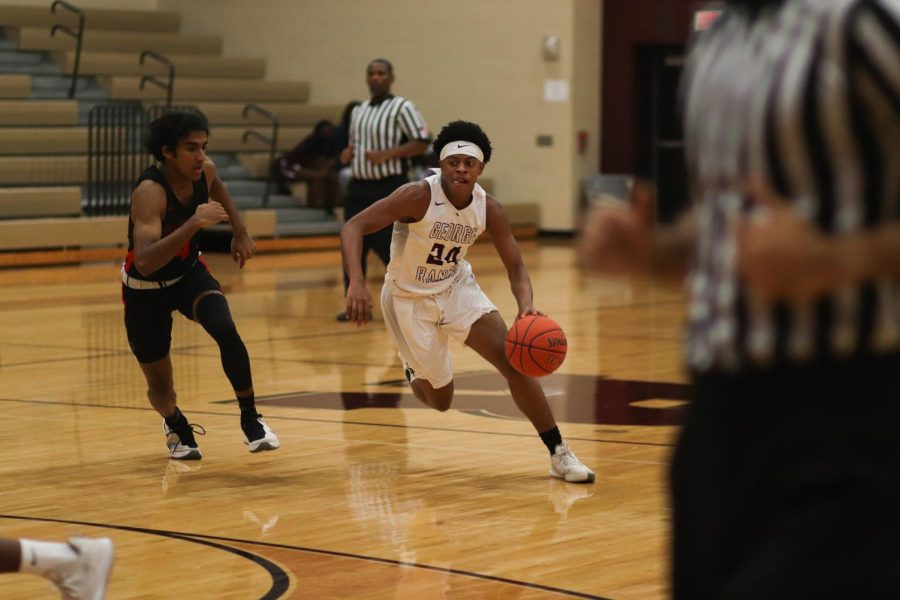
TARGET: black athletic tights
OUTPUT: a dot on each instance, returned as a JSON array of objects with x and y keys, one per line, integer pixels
[{"x": 213, "y": 314}]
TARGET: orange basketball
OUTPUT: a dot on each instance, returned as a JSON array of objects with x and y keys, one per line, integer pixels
[{"x": 536, "y": 345}]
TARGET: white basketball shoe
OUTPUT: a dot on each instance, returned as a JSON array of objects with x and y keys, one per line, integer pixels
[
  {"x": 86, "y": 577},
  {"x": 565, "y": 465}
]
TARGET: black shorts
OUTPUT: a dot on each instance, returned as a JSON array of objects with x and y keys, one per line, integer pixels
[
  {"x": 786, "y": 484},
  {"x": 148, "y": 313}
]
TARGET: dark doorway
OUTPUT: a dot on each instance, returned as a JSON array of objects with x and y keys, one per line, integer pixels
[
  {"x": 660, "y": 147},
  {"x": 643, "y": 43}
]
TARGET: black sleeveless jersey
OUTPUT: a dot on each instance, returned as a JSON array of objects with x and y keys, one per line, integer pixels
[{"x": 176, "y": 215}]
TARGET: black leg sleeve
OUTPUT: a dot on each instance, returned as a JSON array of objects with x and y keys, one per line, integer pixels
[{"x": 214, "y": 316}]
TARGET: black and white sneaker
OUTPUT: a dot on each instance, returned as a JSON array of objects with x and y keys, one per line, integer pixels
[
  {"x": 181, "y": 442},
  {"x": 257, "y": 435}
]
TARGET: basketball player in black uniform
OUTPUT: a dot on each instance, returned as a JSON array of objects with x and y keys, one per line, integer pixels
[{"x": 163, "y": 272}]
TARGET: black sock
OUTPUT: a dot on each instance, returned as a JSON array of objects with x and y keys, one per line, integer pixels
[
  {"x": 551, "y": 438},
  {"x": 177, "y": 420},
  {"x": 248, "y": 406}
]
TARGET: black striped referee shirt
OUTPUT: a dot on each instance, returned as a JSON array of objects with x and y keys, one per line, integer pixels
[
  {"x": 806, "y": 94},
  {"x": 381, "y": 126}
]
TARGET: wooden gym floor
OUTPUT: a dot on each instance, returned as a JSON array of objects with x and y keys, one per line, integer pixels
[{"x": 371, "y": 495}]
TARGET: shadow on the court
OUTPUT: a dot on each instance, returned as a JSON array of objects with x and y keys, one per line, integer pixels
[{"x": 573, "y": 398}]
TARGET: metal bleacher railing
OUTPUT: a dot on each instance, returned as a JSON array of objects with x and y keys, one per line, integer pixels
[
  {"x": 169, "y": 83},
  {"x": 116, "y": 154},
  {"x": 271, "y": 140},
  {"x": 75, "y": 34}
]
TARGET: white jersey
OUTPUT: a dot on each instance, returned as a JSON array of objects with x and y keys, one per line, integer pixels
[{"x": 427, "y": 256}]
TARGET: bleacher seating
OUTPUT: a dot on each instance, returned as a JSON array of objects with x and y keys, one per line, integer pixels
[
  {"x": 193, "y": 89},
  {"x": 21, "y": 202},
  {"x": 14, "y": 86},
  {"x": 289, "y": 113},
  {"x": 99, "y": 18},
  {"x": 189, "y": 65},
  {"x": 22, "y": 112},
  {"x": 33, "y": 38},
  {"x": 44, "y": 135},
  {"x": 73, "y": 140}
]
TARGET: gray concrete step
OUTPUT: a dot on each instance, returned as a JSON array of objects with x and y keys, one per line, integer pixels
[
  {"x": 27, "y": 62},
  {"x": 296, "y": 222},
  {"x": 5, "y": 42},
  {"x": 246, "y": 187},
  {"x": 224, "y": 159},
  {"x": 288, "y": 216},
  {"x": 31, "y": 69},
  {"x": 332, "y": 227},
  {"x": 233, "y": 172},
  {"x": 22, "y": 57},
  {"x": 275, "y": 201},
  {"x": 51, "y": 87}
]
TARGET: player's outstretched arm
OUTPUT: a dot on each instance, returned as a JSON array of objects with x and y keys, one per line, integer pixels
[
  {"x": 508, "y": 249},
  {"x": 148, "y": 207},
  {"x": 242, "y": 245},
  {"x": 782, "y": 255},
  {"x": 621, "y": 237},
  {"x": 408, "y": 204}
]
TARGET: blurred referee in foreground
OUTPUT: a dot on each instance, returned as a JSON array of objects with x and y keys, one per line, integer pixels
[{"x": 786, "y": 475}]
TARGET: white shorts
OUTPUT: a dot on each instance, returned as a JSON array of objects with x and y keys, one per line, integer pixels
[{"x": 423, "y": 325}]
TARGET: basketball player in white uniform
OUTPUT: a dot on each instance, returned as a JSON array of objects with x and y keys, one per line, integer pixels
[{"x": 430, "y": 294}]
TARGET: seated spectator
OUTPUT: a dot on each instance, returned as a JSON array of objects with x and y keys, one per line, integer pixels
[{"x": 312, "y": 161}]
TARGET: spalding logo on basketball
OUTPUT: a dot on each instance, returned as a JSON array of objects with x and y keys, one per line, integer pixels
[{"x": 536, "y": 345}]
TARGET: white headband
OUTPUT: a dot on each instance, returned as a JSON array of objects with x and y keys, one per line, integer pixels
[{"x": 462, "y": 147}]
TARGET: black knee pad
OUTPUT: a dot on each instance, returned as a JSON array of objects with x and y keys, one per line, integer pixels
[{"x": 212, "y": 312}]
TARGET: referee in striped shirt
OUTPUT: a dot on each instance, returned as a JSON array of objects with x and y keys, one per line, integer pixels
[
  {"x": 385, "y": 131},
  {"x": 786, "y": 475}
]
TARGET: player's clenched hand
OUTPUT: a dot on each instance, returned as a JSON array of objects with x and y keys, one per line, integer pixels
[
  {"x": 210, "y": 213},
  {"x": 617, "y": 236},
  {"x": 359, "y": 304}
]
